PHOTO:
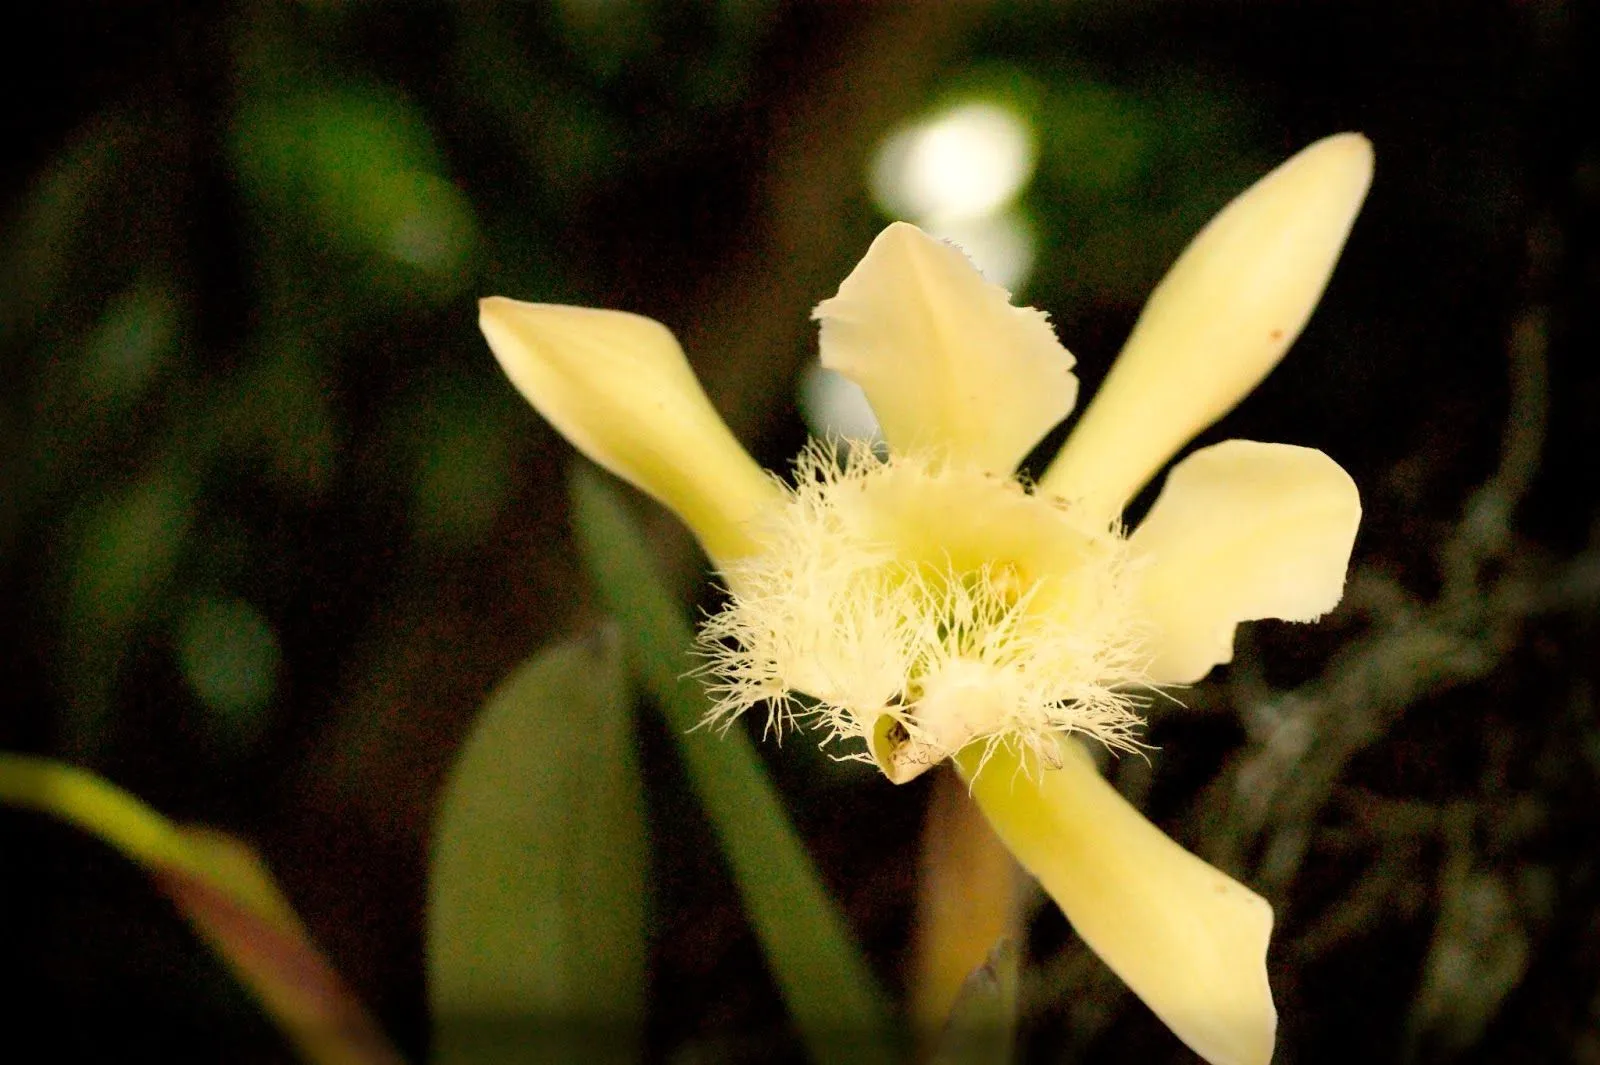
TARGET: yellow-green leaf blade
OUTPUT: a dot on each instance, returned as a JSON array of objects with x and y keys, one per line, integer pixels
[
  {"x": 537, "y": 886},
  {"x": 226, "y": 892}
]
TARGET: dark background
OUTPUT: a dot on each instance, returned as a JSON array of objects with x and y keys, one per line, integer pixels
[{"x": 272, "y": 523}]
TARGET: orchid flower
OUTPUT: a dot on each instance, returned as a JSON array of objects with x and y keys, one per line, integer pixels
[{"x": 926, "y": 604}]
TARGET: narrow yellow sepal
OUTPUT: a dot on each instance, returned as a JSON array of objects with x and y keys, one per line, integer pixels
[
  {"x": 1187, "y": 939},
  {"x": 619, "y": 388},
  {"x": 1217, "y": 324}
]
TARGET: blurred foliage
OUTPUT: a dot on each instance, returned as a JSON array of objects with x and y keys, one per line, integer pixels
[
  {"x": 272, "y": 525},
  {"x": 538, "y": 872},
  {"x": 982, "y": 1027}
]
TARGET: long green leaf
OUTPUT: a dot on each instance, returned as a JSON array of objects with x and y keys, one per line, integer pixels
[
  {"x": 536, "y": 909},
  {"x": 819, "y": 969}
]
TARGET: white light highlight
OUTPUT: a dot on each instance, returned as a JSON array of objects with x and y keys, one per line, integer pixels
[
  {"x": 835, "y": 407},
  {"x": 968, "y": 161}
]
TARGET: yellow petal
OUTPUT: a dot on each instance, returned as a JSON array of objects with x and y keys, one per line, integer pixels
[
  {"x": 1189, "y": 941},
  {"x": 1240, "y": 531},
  {"x": 617, "y": 386},
  {"x": 1223, "y": 317},
  {"x": 945, "y": 360}
]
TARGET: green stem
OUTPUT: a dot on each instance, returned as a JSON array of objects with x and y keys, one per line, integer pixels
[{"x": 825, "y": 982}]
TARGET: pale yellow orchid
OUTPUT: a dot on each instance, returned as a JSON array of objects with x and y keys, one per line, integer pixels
[{"x": 928, "y": 605}]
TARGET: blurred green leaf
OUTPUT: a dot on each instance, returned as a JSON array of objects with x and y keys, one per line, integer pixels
[
  {"x": 44, "y": 236},
  {"x": 226, "y": 892},
  {"x": 283, "y": 414},
  {"x": 89, "y": 396},
  {"x": 982, "y": 1029},
  {"x": 124, "y": 548},
  {"x": 825, "y": 981},
  {"x": 606, "y": 35},
  {"x": 1097, "y": 140},
  {"x": 357, "y": 167},
  {"x": 565, "y": 136},
  {"x": 136, "y": 332},
  {"x": 536, "y": 909},
  {"x": 127, "y": 547},
  {"x": 1128, "y": 175},
  {"x": 459, "y": 444},
  {"x": 230, "y": 657}
]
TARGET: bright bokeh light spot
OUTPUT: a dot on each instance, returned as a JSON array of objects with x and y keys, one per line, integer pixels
[
  {"x": 834, "y": 406},
  {"x": 1000, "y": 245},
  {"x": 966, "y": 162}
]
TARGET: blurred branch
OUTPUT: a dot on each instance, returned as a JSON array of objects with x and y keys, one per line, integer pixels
[
  {"x": 757, "y": 320},
  {"x": 1262, "y": 812},
  {"x": 1479, "y": 953},
  {"x": 1266, "y": 802},
  {"x": 755, "y": 330}
]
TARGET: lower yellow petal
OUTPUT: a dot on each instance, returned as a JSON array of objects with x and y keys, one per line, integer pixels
[
  {"x": 1217, "y": 324},
  {"x": 617, "y": 386},
  {"x": 1189, "y": 941},
  {"x": 1240, "y": 531}
]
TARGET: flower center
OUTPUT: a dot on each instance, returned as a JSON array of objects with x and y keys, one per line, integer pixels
[{"x": 921, "y": 606}]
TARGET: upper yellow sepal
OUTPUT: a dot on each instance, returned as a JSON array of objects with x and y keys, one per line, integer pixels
[{"x": 618, "y": 386}]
